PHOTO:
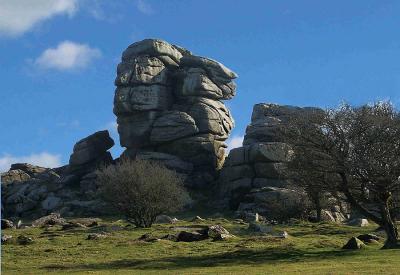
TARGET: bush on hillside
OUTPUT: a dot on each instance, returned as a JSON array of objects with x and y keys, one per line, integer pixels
[{"x": 141, "y": 190}]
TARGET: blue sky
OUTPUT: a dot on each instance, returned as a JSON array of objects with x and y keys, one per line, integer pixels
[{"x": 58, "y": 60}]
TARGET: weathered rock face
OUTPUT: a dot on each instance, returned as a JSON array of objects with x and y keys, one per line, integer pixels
[
  {"x": 33, "y": 191},
  {"x": 254, "y": 177},
  {"x": 168, "y": 107}
]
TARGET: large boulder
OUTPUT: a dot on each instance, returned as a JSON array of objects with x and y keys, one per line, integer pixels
[{"x": 91, "y": 147}]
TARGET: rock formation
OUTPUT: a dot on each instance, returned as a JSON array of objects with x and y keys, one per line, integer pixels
[
  {"x": 254, "y": 178},
  {"x": 33, "y": 191},
  {"x": 168, "y": 107},
  {"x": 168, "y": 104}
]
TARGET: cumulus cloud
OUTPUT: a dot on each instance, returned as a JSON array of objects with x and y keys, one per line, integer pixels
[
  {"x": 20, "y": 16},
  {"x": 144, "y": 7},
  {"x": 67, "y": 56},
  {"x": 42, "y": 159},
  {"x": 234, "y": 142}
]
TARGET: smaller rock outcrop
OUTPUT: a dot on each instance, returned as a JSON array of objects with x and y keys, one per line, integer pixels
[
  {"x": 255, "y": 177},
  {"x": 33, "y": 191}
]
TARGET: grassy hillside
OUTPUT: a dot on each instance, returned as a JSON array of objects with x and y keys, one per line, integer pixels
[{"x": 310, "y": 249}]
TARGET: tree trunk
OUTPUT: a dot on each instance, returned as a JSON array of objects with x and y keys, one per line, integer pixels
[
  {"x": 392, "y": 234},
  {"x": 318, "y": 208}
]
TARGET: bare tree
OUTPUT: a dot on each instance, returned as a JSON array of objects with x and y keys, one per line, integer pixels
[
  {"x": 141, "y": 190},
  {"x": 358, "y": 149}
]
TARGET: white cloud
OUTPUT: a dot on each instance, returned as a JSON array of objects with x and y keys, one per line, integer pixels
[
  {"x": 234, "y": 142},
  {"x": 42, "y": 159},
  {"x": 20, "y": 16},
  {"x": 144, "y": 7},
  {"x": 66, "y": 56}
]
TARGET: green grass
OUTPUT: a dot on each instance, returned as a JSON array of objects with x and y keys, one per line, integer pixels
[{"x": 310, "y": 249}]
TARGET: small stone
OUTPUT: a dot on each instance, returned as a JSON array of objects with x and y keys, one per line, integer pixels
[
  {"x": 148, "y": 238},
  {"x": 72, "y": 225},
  {"x": 5, "y": 239},
  {"x": 354, "y": 243},
  {"x": 283, "y": 235},
  {"x": 358, "y": 222},
  {"x": 96, "y": 236},
  {"x": 24, "y": 240}
]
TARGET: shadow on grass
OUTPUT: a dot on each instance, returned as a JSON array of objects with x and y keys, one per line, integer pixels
[{"x": 238, "y": 257}]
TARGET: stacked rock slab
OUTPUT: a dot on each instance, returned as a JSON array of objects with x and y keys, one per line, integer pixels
[
  {"x": 254, "y": 177},
  {"x": 33, "y": 191},
  {"x": 168, "y": 104}
]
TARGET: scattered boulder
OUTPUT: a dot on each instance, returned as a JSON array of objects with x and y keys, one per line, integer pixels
[
  {"x": 96, "y": 236},
  {"x": 354, "y": 243},
  {"x": 148, "y": 238},
  {"x": 72, "y": 225},
  {"x": 283, "y": 235},
  {"x": 358, "y": 222},
  {"x": 6, "y": 224},
  {"x": 250, "y": 217},
  {"x": 87, "y": 222},
  {"x": 185, "y": 236},
  {"x": 52, "y": 219},
  {"x": 5, "y": 239},
  {"x": 24, "y": 240},
  {"x": 217, "y": 233},
  {"x": 368, "y": 238}
]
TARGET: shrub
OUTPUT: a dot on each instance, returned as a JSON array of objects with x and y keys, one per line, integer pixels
[{"x": 141, "y": 190}]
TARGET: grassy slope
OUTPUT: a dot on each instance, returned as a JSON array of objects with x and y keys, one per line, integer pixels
[{"x": 310, "y": 249}]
